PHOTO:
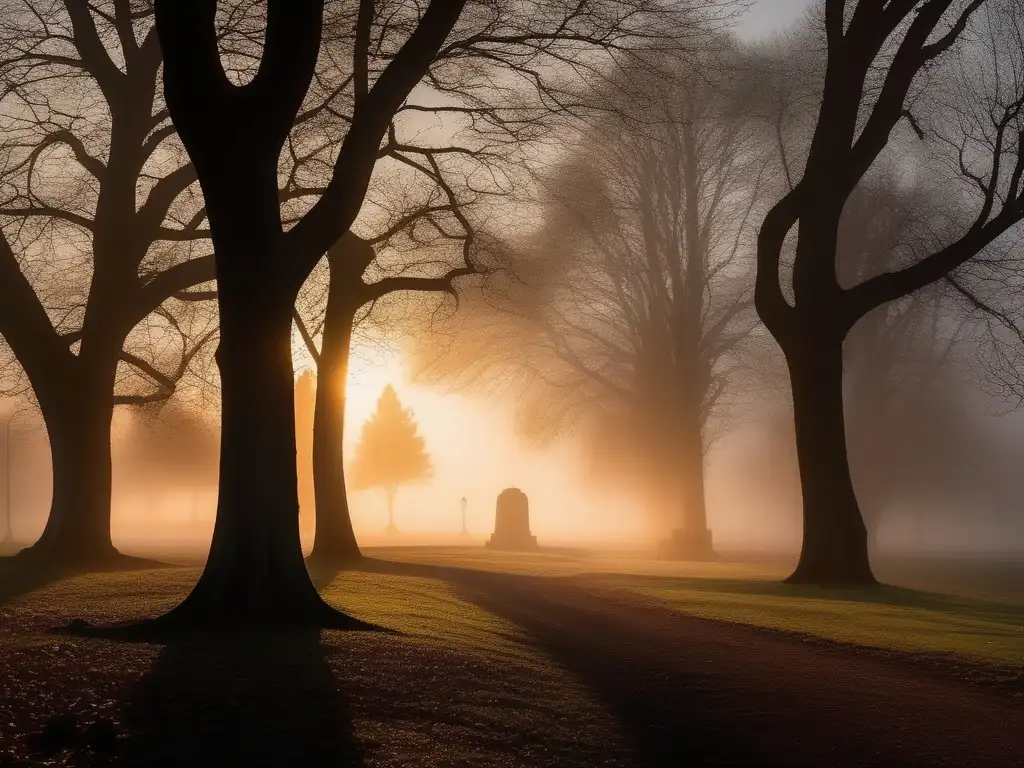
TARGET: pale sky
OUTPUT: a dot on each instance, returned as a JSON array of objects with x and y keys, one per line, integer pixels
[{"x": 766, "y": 17}]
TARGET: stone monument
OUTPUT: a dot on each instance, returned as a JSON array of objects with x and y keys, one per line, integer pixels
[{"x": 512, "y": 522}]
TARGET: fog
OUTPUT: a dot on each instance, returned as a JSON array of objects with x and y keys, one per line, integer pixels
[{"x": 935, "y": 471}]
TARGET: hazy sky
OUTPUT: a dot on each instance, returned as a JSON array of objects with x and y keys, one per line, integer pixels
[
  {"x": 769, "y": 16},
  {"x": 476, "y": 452}
]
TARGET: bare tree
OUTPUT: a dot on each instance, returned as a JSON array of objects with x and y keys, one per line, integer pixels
[
  {"x": 98, "y": 211},
  {"x": 496, "y": 93},
  {"x": 628, "y": 308},
  {"x": 235, "y": 134},
  {"x": 876, "y": 56}
]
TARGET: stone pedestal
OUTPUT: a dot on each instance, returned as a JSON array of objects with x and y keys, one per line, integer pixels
[
  {"x": 512, "y": 522},
  {"x": 685, "y": 544}
]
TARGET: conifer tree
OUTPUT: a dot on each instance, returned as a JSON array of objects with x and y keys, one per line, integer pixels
[{"x": 391, "y": 452}]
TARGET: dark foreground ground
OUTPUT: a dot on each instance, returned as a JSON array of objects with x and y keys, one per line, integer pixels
[{"x": 491, "y": 664}]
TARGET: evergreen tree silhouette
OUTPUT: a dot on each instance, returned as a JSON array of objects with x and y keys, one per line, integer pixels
[{"x": 390, "y": 453}]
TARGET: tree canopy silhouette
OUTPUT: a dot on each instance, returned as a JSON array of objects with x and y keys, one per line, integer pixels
[
  {"x": 420, "y": 228},
  {"x": 391, "y": 452}
]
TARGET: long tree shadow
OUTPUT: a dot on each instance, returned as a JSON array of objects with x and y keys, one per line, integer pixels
[
  {"x": 667, "y": 715},
  {"x": 878, "y": 594},
  {"x": 18, "y": 577},
  {"x": 252, "y": 699}
]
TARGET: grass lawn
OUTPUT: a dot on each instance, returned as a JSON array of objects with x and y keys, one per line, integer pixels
[
  {"x": 456, "y": 679},
  {"x": 888, "y": 617},
  {"x": 455, "y": 685}
]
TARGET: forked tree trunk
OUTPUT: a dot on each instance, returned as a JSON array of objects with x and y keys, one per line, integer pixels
[
  {"x": 78, "y": 419},
  {"x": 835, "y": 542},
  {"x": 335, "y": 540}
]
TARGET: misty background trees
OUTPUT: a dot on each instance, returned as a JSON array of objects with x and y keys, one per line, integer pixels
[{"x": 644, "y": 232}]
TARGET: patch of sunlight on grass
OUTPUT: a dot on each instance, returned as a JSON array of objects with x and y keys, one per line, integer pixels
[
  {"x": 428, "y": 609},
  {"x": 880, "y": 617},
  {"x": 455, "y": 661},
  {"x": 753, "y": 593}
]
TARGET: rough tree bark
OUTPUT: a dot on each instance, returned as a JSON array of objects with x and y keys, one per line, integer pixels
[{"x": 848, "y": 138}]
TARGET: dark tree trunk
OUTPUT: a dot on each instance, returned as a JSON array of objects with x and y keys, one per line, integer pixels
[
  {"x": 835, "y": 543},
  {"x": 334, "y": 541},
  {"x": 255, "y": 572},
  {"x": 78, "y": 417}
]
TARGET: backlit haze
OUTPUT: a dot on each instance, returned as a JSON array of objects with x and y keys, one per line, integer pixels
[{"x": 476, "y": 452}]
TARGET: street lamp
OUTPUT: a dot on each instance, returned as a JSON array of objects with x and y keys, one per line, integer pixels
[{"x": 8, "y": 531}]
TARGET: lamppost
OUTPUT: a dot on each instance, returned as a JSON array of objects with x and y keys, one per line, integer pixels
[
  {"x": 8, "y": 531},
  {"x": 462, "y": 503}
]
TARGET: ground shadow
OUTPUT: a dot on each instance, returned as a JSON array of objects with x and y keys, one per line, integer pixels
[
  {"x": 666, "y": 716},
  {"x": 879, "y": 594},
  {"x": 19, "y": 577},
  {"x": 20, "y": 574},
  {"x": 246, "y": 699}
]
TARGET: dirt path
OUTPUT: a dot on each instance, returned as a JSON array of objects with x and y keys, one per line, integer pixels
[{"x": 693, "y": 692}]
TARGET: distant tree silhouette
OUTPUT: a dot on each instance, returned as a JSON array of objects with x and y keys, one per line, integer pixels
[
  {"x": 305, "y": 404},
  {"x": 390, "y": 452},
  {"x": 625, "y": 314},
  {"x": 972, "y": 117}
]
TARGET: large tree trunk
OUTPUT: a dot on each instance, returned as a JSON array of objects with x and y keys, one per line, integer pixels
[
  {"x": 78, "y": 417},
  {"x": 835, "y": 544},
  {"x": 334, "y": 541},
  {"x": 255, "y": 572}
]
